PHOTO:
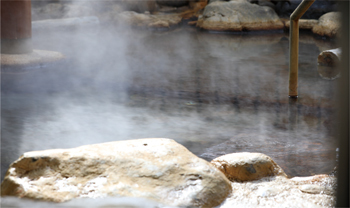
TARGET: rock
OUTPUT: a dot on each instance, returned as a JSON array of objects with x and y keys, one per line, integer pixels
[
  {"x": 304, "y": 24},
  {"x": 329, "y": 57},
  {"x": 238, "y": 16},
  {"x": 148, "y": 20},
  {"x": 328, "y": 25},
  {"x": 279, "y": 191},
  {"x": 156, "y": 169},
  {"x": 247, "y": 166}
]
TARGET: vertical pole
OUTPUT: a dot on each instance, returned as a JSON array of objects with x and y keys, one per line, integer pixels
[
  {"x": 16, "y": 26},
  {"x": 294, "y": 46},
  {"x": 343, "y": 177}
]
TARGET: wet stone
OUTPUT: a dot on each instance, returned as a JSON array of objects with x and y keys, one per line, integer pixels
[{"x": 247, "y": 166}]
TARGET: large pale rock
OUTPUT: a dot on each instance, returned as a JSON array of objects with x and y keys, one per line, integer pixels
[
  {"x": 328, "y": 25},
  {"x": 157, "y": 169},
  {"x": 238, "y": 16},
  {"x": 247, "y": 166}
]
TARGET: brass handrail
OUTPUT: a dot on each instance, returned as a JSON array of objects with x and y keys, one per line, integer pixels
[{"x": 294, "y": 46}]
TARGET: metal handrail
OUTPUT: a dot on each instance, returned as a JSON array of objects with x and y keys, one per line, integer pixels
[{"x": 294, "y": 45}]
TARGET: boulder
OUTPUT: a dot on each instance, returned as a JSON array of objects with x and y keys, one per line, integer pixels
[
  {"x": 156, "y": 169},
  {"x": 328, "y": 25},
  {"x": 147, "y": 20},
  {"x": 238, "y": 15},
  {"x": 245, "y": 166}
]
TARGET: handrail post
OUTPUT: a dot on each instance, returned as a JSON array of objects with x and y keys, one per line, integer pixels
[{"x": 294, "y": 46}]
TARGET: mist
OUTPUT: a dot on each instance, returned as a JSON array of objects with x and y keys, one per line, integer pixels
[{"x": 214, "y": 93}]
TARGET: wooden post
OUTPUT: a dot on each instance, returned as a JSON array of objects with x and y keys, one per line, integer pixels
[{"x": 16, "y": 26}]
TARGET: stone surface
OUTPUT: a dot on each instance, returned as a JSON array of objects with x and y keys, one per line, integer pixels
[
  {"x": 238, "y": 15},
  {"x": 304, "y": 24},
  {"x": 157, "y": 169},
  {"x": 35, "y": 58},
  {"x": 247, "y": 166},
  {"x": 329, "y": 57},
  {"x": 146, "y": 20},
  {"x": 278, "y": 191},
  {"x": 328, "y": 25}
]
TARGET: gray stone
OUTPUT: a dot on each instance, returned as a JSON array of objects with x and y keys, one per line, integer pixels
[
  {"x": 147, "y": 20},
  {"x": 328, "y": 25},
  {"x": 238, "y": 15}
]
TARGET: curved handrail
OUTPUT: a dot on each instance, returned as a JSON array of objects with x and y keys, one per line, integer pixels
[{"x": 294, "y": 45}]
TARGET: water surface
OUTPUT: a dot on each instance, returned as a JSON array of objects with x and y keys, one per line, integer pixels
[{"x": 214, "y": 93}]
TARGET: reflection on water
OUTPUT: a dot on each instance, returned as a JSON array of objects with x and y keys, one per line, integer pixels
[{"x": 214, "y": 93}]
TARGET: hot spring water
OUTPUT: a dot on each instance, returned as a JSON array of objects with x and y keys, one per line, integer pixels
[{"x": 214, "y": 93}]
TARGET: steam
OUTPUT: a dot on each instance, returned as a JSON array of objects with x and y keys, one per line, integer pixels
[{"x": 121, "y": 83}]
